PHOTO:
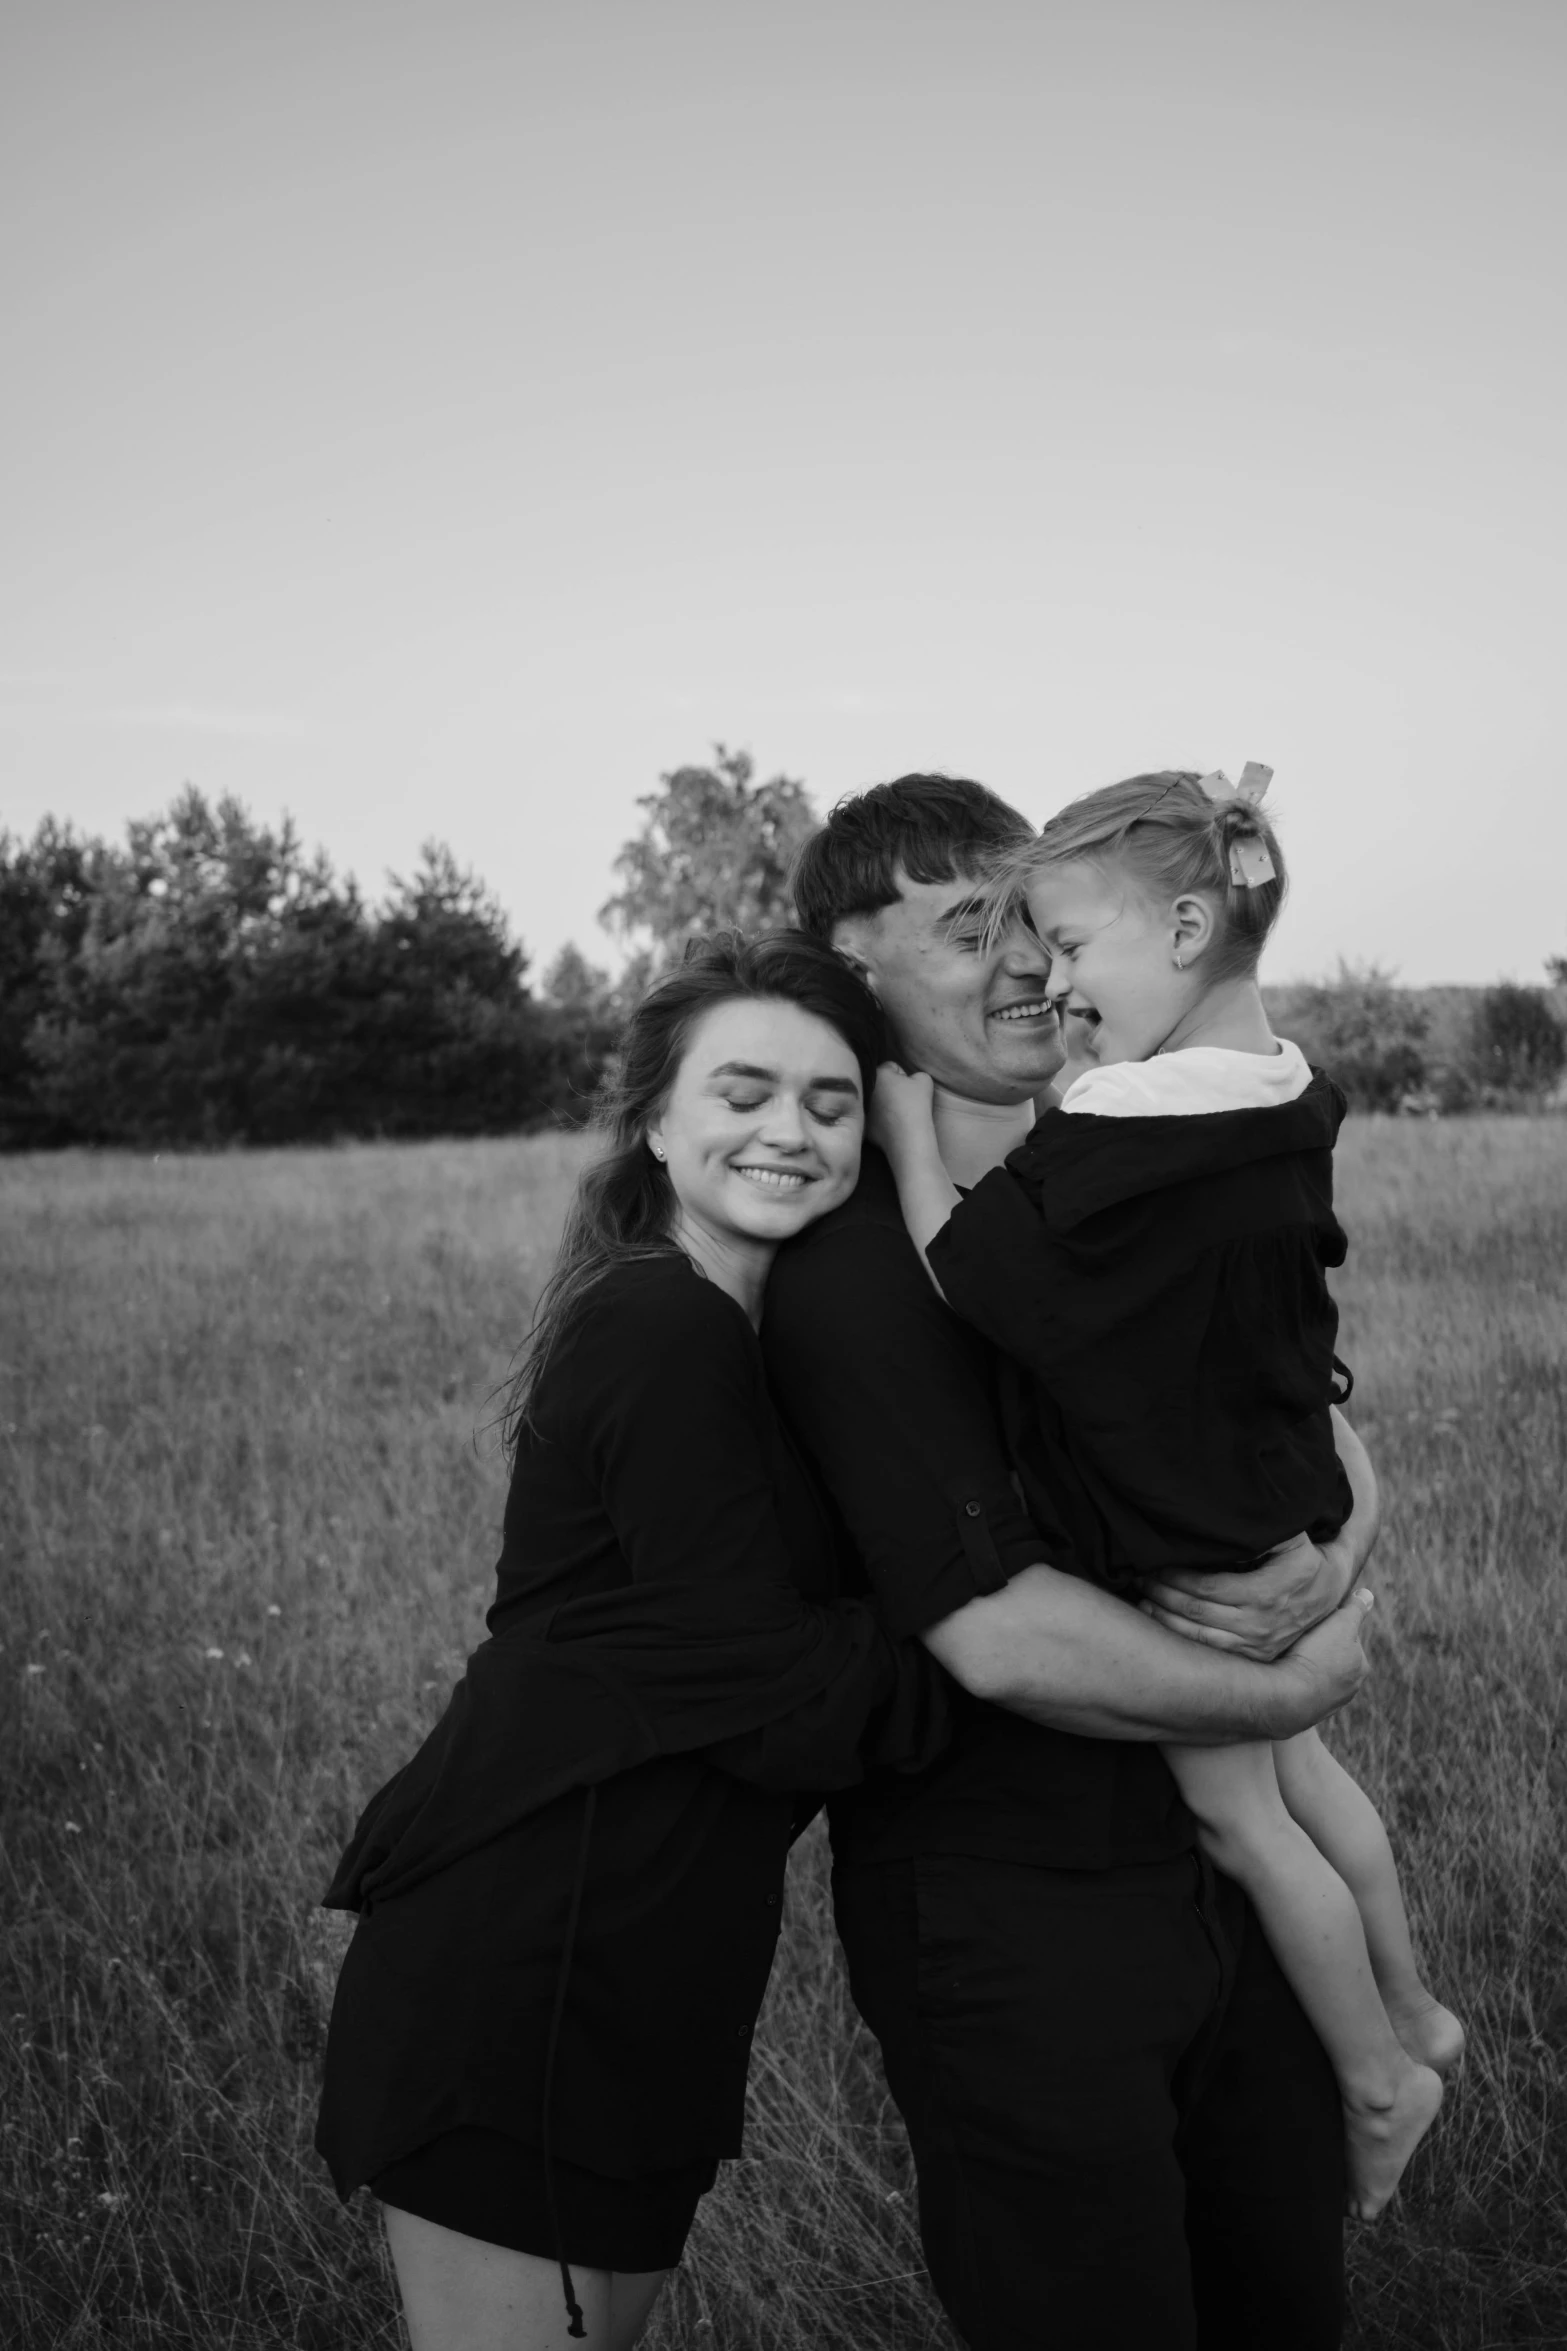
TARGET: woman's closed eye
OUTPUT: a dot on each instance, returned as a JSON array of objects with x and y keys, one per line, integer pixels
[{"x": 829, "y": 1110}]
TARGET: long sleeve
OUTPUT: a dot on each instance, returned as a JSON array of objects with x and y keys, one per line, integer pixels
[
  {"x": 1026, "y": 1287},
  {"x": 890, "y": 1395},
  {"x": 1162, "y": 1283},
  {"x": 675, "y": 1415},
  {"x": 662, "y": 1396}
]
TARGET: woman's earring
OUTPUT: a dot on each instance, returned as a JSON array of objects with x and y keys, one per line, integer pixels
[
  {"x": 657, "y": 1151},
  {"x": 1179, "y": 965}
]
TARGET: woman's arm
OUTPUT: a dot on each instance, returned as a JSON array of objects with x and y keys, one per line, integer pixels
[{"x": 674, "y": 1409}]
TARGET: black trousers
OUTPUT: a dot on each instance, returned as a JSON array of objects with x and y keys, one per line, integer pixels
[{"x": 1126, "y": 2134}]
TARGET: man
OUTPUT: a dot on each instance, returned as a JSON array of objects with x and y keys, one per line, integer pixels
[{"x": 1127, "y": 2137}]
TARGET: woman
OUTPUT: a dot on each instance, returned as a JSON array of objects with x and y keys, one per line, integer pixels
[{"x": 569, "y": 1899}]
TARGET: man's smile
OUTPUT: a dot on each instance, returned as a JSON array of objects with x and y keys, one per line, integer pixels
[{"x": 1030, "y": 1008}]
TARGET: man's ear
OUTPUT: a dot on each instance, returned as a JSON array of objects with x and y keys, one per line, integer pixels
[
  {"x": 850, "y": 947},
  {"x": 1192, "y": 927}
]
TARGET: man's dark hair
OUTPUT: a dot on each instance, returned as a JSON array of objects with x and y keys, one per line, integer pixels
[{"x": 930, "y": 828}]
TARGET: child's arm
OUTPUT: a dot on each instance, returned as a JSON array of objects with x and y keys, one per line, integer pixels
[{"x": 902, "y": 1121}]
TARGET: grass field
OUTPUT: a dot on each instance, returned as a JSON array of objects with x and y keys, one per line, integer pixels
[{"x": 246, "y": 1533}]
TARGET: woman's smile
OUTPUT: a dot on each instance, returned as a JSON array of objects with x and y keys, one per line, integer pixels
[{"x": 773, "y": 1179}]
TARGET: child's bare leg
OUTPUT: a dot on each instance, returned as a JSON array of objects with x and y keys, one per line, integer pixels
[
  {"x": 1344, "y": 1824},
  {"x": 1310, "y": 1918}
]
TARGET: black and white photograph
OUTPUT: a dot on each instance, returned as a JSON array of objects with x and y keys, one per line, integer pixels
[{"x": 783, "y": 1176}]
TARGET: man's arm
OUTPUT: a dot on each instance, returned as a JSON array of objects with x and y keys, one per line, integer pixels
[
  {"x": 890, "y": 1396},
  {"x": 1263, "y": 1612},
  {"x": 1067, "y": 1654}
]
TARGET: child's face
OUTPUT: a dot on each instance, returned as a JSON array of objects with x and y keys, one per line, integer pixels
[{"x": 1112, "y": 960}]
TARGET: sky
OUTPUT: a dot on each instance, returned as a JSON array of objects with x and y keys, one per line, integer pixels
[{"x": 437, "y": 419}]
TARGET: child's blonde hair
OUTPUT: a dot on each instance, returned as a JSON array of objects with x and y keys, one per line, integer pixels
[{"x": 1175, "y": 839}]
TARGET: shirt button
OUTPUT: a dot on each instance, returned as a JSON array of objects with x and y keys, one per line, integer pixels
[
  {"x": 971, "y": 1509},
  {"x": 770, "y": 1901},
  {"x": 742, "y": 2032}
]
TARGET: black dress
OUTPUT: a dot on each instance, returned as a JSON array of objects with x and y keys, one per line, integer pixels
[
  {"x": 1162, "y": 1282},
  {"x": 563, "y": 2009}
]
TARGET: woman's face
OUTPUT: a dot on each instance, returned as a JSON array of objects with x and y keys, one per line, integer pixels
[{"x": 761, "y": 1132}]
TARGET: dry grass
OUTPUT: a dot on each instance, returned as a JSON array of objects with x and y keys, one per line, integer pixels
[{"x": 237, "y": 1404}]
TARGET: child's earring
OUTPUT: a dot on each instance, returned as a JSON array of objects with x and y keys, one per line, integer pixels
[
  {"x": 1179, "y": 965},
  {"x": 657, "y": 1150}
]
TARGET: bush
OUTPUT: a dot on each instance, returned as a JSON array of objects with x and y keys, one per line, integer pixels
[
  {"x": 1369, "y": 1033},
  {"x": 1516, "y": 1047}
]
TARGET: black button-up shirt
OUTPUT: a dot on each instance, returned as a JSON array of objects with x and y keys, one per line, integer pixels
[{"x": 902, "y": 1409}]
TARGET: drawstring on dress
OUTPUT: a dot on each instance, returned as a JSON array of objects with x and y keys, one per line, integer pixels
[{"x": 574, "y": 2326}]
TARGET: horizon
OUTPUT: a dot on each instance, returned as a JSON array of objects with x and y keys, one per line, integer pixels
[{"x": 616, "y": 952}]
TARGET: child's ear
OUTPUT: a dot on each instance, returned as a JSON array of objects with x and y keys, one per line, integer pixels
[{"x": 1191, "y": 927}]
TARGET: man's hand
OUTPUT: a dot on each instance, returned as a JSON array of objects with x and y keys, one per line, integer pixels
[
  {"x": 1326, "y": 1666},
  {"x": 1260, "y": 1612},
  {"x": 901, "y": 1120}
]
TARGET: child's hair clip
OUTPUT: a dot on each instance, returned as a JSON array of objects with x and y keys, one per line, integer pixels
[
  {"x": 1255, "y": 779},
  {"x": 1250, "y": 863}
]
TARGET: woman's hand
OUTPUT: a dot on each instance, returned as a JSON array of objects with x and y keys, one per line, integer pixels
[{"x": 902, "y": 1119}]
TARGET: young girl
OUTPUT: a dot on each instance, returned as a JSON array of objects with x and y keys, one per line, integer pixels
[{"x": 1153, "y": 1259}]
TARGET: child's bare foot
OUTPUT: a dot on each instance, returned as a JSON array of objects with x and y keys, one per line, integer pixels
[
  {"x": 1379, "y": 2140},
  {"x": 1431, "y": 2033}
]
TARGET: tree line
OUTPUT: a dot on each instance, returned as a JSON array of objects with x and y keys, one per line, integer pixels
[
  {"x": 209, "y": 983},
  {"x": 1432, "y": 1050}
]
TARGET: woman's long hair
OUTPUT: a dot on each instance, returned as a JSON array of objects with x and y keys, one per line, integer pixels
[{"x": 624, "y": 1206}]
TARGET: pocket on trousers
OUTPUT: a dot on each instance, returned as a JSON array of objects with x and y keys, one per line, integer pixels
[{"x": 1054, "y": 2007}]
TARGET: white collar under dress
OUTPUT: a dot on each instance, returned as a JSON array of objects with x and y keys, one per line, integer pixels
[{"x": 1195, "y": 1079}]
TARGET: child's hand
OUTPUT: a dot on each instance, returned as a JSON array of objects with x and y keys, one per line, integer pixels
[{"x": 902, "y": 1114}]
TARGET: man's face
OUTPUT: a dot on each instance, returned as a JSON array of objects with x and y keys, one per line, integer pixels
[{"x": 978, "y": 1022}]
